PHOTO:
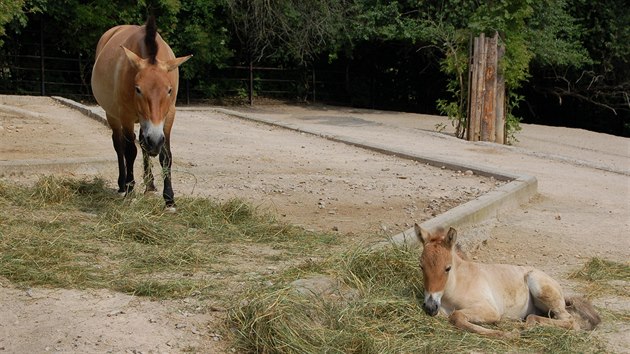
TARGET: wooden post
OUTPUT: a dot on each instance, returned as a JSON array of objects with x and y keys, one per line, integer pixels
[
  {"x": 488, "y": 112},
  {"x": 479, "y": 88},
  {"x": 472, "y": 85},
  {"x": 486, "y": 106},
  {"x": 500, "y": 101}
]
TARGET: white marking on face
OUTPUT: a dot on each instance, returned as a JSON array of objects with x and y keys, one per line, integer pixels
[
  {"x": 434, "y": 297},
  {"x": 152, "y": 131}
]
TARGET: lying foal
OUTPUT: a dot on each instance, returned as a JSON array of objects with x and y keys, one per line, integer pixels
[{"x": 474, "y": 293}]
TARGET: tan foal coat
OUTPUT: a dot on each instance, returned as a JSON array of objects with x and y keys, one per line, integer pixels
[{"x": 471, "y": 293}]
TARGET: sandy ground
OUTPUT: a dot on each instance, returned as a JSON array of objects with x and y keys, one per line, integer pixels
[{"x": 582, "y": 210}]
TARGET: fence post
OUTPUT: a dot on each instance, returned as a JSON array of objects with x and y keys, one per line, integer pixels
[
  {"x": 313, "y": 84},
  {"x": 251, "y": 83},
  {"x": 188, "y": 92},
  {"x": 41, "y": 56}
]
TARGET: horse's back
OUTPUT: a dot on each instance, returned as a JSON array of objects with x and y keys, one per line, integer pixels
[
  {"x": 110, "y": 67},
  {"x": 113, "y": 36}
]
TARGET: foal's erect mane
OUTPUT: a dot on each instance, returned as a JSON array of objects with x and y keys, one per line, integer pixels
[{"x": 149, "y": 39}]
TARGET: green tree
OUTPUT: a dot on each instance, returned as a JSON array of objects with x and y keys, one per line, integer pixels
[
  {"x": 9, "y": 9},
  {"x": 605, "y": 79},
  {"x": 288, "y": 30},
  {"x": 529, "y": 29},
  {"x": 190, "y": 26}
]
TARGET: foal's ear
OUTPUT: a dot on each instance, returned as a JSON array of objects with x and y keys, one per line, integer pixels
[
  {"x": 172, "y": 64},
  {"x": 422, "y": 234},
  {"x": 451, "y": 237},
  {"x": 134, "y": 59}
]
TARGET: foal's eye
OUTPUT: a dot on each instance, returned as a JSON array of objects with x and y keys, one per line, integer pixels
[
  {"x": 170, "y": 90},
  {"x": 448, "y": 269},
  {"x": 138, "y": 90}
]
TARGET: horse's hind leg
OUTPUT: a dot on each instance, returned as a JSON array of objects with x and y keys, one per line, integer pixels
[
  {"x": 467, "y": 319},
  {"x": 548, "y": 298}
]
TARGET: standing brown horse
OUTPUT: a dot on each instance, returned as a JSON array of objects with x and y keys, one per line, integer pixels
[
  {"x": 135, "y": 80},
  {"x": 474, "y": 293}
]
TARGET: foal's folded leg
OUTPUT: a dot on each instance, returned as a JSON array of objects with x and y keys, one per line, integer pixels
[{"x": 467, "y": 319}]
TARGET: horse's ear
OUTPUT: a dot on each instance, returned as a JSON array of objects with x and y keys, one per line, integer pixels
[
  {"x": 451, "y": 237},
  {"x": 172, "y": 64},
  {"x": 134, "y": 59},
  {"x": 422, "y": 234}
]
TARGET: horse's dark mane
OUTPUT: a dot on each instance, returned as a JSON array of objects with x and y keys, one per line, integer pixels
[{"x": 149, "y": 39}]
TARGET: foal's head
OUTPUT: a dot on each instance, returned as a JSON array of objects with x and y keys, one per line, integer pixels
[{"x": 436, "y": 262}]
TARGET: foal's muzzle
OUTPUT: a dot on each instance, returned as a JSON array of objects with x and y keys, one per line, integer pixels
[
  {"x": 431, "y": 308},
  {"x": 432, "y": 304}
]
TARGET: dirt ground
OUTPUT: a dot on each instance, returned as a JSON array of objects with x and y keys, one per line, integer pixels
[{"x": 309, "y": 181}]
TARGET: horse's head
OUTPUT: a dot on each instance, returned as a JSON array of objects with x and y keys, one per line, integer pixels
[
  {"x": 436, "y": 262},
  {"x": 154, "y": 94}
]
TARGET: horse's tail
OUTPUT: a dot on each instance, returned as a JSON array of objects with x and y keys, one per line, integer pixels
[
  {"x": 583, "y": 311},
  {"x": 149, "y": 39}
]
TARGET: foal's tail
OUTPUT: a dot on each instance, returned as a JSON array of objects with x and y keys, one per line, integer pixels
[{"x": 583, "y": 311}]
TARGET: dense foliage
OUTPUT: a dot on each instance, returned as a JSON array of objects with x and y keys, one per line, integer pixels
[{"x": 564, "y": 58}]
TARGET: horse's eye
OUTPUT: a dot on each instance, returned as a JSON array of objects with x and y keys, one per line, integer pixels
[
  {"x": 138, "y": 90},
  {"x": 170, "y": 90},
  {"x": 448, "y": 269}
]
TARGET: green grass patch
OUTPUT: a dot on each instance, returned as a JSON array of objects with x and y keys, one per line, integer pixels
[
  {"x": 74, "y": 233},
  {"x": 380, "y": 313}
]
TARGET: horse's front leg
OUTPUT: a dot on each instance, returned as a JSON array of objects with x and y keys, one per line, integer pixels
[
  {"x": 166, "y": 160},
  {"x": 130, "y": 151},
  {"x": 467, "y": 319},
  {"x": 119, "y": 147}
]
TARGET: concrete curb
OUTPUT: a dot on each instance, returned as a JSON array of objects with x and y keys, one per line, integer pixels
[
  {"x": 519, "y": 189},
  {"x": 94, "y": 113}
]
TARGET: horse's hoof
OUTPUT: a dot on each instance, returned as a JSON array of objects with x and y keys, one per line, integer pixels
[{"x": 170, "y": 209}]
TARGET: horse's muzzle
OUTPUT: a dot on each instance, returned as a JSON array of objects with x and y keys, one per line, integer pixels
[{"x": 152, "y": 145}]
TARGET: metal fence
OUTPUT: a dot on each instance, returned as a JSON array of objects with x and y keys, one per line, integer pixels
[
  {"x": 70, "y": 77},
  {"x": 45, "y": 75}
]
